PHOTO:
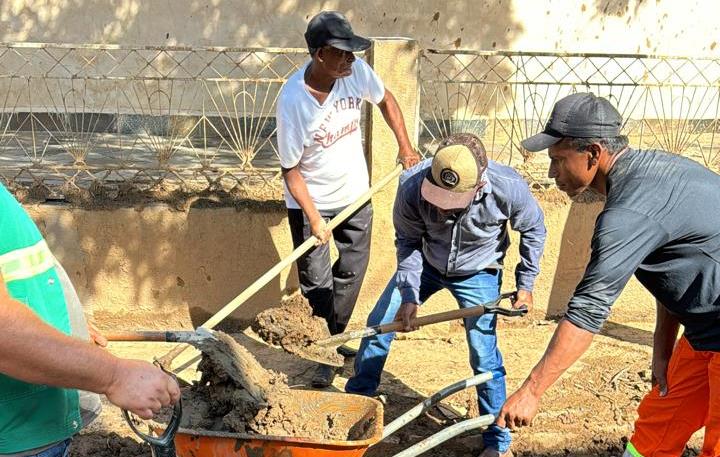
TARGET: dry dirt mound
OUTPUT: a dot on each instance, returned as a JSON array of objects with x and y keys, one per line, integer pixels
[{"x": 293, "y": 327}]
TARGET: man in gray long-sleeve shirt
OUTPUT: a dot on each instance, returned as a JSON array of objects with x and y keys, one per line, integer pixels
[
  {"x": 451, "y": 216},
  {"x": 661, "y": 222}
]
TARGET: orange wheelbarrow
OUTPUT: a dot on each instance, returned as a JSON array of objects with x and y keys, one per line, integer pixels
[{"x": 361, "y": 415}]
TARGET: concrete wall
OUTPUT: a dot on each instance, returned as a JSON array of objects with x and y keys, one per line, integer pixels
[
  {"x": 627, "y": 26},
  {"x": 160, "y": 268}
]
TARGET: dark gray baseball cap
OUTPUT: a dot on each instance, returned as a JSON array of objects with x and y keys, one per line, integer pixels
[
  {"x": 581, "y": 115},
  {"x": 330, "y": 28}
]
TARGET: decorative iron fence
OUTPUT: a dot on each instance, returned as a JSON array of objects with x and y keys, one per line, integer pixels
[
  {"x": 670, "y": 103},
  {"x": 92, "y": 121},
  {"x": 104, "y": 120}
]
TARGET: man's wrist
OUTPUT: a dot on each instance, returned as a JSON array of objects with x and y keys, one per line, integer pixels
[
  {"x": 410, "y": 295},
  {"x": 533, "y": 386}
]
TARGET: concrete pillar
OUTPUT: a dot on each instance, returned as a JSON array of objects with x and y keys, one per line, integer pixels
[{"x": 396, "y": 60}]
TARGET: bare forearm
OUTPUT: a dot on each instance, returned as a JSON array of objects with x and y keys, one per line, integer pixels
[
  {"x": 299, "y": 191},
  {"x": 35, "y": 352},
  {"x": 567, "y": 345},
  {"x": 666, "y": 331},
  {"x": 394, "y": 118}
]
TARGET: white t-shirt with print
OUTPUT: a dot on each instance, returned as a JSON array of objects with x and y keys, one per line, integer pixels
[{"x": 325, "y": 140}]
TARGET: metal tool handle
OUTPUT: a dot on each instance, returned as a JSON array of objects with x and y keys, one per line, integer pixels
[{"x": 163, "y": 445}]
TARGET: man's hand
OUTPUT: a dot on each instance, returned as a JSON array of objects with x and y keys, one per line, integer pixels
[
  {"x": 96, "y": 336},
  {"x": 319, "y": 229},
  {"x": 406, "y": 313},
  {"x": 523, "y": 298},
  {"x": 141, "y": 388},
  {"x": 664, "y": 339},
  {"x": 660, "y": 364},
  {"x": 519, "y": 410},
  {"x": 408, "y": 158}
]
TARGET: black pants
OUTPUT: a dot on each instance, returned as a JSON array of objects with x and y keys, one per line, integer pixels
[{"x": 333, "y": 290}]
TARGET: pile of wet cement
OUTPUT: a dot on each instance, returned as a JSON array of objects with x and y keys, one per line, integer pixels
[
  {"x": 219, "y": 403},
  {"x": 293, "y": 327}
]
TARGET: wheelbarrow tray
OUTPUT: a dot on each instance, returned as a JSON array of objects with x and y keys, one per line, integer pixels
[{"x": 362, "y": 416}]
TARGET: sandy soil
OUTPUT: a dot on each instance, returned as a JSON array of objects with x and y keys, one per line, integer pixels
[
  {"x": 589, "y": 412},
  {"x": 236, "y": 394},
  {"x": 293, "y": 327}
]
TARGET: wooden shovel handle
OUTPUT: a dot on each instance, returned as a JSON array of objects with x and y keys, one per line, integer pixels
[
  {"x": 308, "y": 244},
  {"x": 434, "y": 319},
  {"x": 461, "y": 313},
  {"x": 137, "y": 336}
]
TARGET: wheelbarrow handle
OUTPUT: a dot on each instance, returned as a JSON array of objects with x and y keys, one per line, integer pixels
[
  {"x": 446, "y": 434},
  {"x": 436, "y": 398},
  {"x": 163, "y": 445}
]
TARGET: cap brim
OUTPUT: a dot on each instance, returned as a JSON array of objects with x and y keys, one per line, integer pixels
[
  {"x": 540, "y": 142},
  {"x": 445, "y": 199},
  {"x": 354, "y": 44}
]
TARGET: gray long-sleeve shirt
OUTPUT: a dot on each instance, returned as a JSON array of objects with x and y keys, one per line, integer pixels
[
  {"x": 472, "y": 241},
  {"x": 662, "y": 222}
]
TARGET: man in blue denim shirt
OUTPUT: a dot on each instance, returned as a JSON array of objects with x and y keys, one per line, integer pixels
[{"x": 451, "y": 215}]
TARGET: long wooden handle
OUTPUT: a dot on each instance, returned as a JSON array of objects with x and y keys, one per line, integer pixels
[
  {"x": 176, "y": 336},
  {"x": 308, "y": 244},
  {"x": 342, "y": 338},
  {"x": 433, "y": 319},
  {"x": 137, "y": 336}
]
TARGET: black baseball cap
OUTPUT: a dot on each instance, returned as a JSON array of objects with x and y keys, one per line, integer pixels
[
  {"x": 331, "y": 28},
  {"x": 581, "y": 115}
]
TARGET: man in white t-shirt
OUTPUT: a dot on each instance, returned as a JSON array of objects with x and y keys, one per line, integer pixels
[{"x": 324, "y": 167}]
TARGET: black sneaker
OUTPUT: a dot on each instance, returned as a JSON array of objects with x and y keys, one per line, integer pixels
[
  {"x": 347, "y": 352},
  {"x": 324, "y": 376}
]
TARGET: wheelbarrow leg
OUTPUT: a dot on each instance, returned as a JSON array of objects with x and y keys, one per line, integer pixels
[
  {"x": 428, "y": 403},
  {"x": 446, "y": 434}
]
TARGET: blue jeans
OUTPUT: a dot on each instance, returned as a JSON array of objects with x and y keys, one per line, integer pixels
[
  {"x": 481, "y": 337},
  {"x": 61, "y": 449}
]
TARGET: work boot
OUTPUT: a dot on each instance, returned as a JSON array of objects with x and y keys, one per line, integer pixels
[
  {"x": 492, "y": 452},
  {"x": 347, "y": 351},
  {"x": 324, "y": 376}
]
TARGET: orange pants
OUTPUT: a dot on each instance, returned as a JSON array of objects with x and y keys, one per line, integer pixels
[{"x": 666, "y": 423}]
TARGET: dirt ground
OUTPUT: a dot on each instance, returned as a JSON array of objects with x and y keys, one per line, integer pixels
[{"x": 589, "y": 412}]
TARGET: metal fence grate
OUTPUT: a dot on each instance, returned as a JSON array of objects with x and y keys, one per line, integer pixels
[
  {"x": 103, "y": 120},
  {"x": 670, "y": 103}
]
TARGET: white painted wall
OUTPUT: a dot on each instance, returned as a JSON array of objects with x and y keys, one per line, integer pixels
[{"x": 687, "y": 27}]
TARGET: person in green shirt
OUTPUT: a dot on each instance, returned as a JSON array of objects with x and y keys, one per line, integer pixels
[{"x": 41, "y": 364}]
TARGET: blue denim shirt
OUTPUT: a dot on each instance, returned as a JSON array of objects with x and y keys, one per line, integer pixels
[{"x": 471, "y": 241}]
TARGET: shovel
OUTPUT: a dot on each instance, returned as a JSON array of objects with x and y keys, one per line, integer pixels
[
  {"x": 473, "y": 311},
  {"x": 196, "y": 337},
  {"x": 222, "y": 349},
  {"x": 308, "y": 244}
]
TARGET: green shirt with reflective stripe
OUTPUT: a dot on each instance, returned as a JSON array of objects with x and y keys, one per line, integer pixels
[{"x": 32, "y": 415}]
